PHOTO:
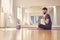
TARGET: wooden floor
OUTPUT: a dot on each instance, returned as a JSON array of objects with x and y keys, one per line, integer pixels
[{"x": 29, "y": 34}]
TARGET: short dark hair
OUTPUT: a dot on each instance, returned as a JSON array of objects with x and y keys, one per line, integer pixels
[{"x": 44, "y": 8}]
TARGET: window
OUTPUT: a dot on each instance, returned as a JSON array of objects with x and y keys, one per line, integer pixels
[
  {"x": 32, "y": 20},
  {"x": 7, "y": 6},
  {"x": 35, "y": 20}
]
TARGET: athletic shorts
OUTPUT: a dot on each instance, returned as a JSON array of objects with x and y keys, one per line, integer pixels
[{"x": 44, "y": 26}]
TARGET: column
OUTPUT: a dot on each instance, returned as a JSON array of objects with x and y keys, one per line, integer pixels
[
  {"x": 19, "y": 15},
  {"x": 54, "y": 16},
  {"x": 14, "y": 13}
]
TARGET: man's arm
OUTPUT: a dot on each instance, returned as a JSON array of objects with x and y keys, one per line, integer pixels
[{"x": 47, "y": 21}]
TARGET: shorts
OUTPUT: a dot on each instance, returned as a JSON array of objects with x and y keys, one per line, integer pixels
[{"x": 47, "y": 27}]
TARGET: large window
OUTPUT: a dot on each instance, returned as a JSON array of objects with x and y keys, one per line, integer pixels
[
  {"x": 35, "y": 20},
  {"x": 19, "y": 15},
  {"x": 7, "y": 11}
]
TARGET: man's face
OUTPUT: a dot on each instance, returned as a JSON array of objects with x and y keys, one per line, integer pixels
[{"x": 44, "y": 11}]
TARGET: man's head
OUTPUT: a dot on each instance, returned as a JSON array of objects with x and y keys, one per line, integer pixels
[{"x": 44, "y": 10}]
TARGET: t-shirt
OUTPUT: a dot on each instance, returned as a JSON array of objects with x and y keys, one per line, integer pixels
[{"x": 47, "y": 16}]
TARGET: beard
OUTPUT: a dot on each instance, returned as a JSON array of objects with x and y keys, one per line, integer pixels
[{"x": 44, "y": 13}]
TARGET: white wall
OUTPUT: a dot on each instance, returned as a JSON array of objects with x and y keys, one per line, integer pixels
[{"x": 0, "y": 12}]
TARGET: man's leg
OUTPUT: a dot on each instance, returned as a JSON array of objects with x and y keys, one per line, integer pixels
[
  {"x": 44, "y": 27},
  {"x": 41, "y": 26},
  {"x": 47, "y": 27}
]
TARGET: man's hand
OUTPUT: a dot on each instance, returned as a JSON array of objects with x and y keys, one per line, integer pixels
[
  {"x": 47, "y": 21},
  {"x": 43, "y": 17}
]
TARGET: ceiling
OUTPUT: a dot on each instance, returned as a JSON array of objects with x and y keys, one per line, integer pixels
[
  {"x": 36, "y": 9},
  {"x": 30, "y": 3},
  {"x": 36, "y": 5}
]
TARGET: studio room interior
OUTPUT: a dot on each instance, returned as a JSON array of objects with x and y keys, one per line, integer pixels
[{"x": 29, "y": 19}]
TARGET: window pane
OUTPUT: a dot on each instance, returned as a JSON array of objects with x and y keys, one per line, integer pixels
[{"x": 32, "y": 20}]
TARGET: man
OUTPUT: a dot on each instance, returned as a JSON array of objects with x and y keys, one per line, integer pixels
[{"x": 47, "y": 20}]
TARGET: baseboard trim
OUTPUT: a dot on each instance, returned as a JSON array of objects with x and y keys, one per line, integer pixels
[{"x": 56, "y": 28}]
